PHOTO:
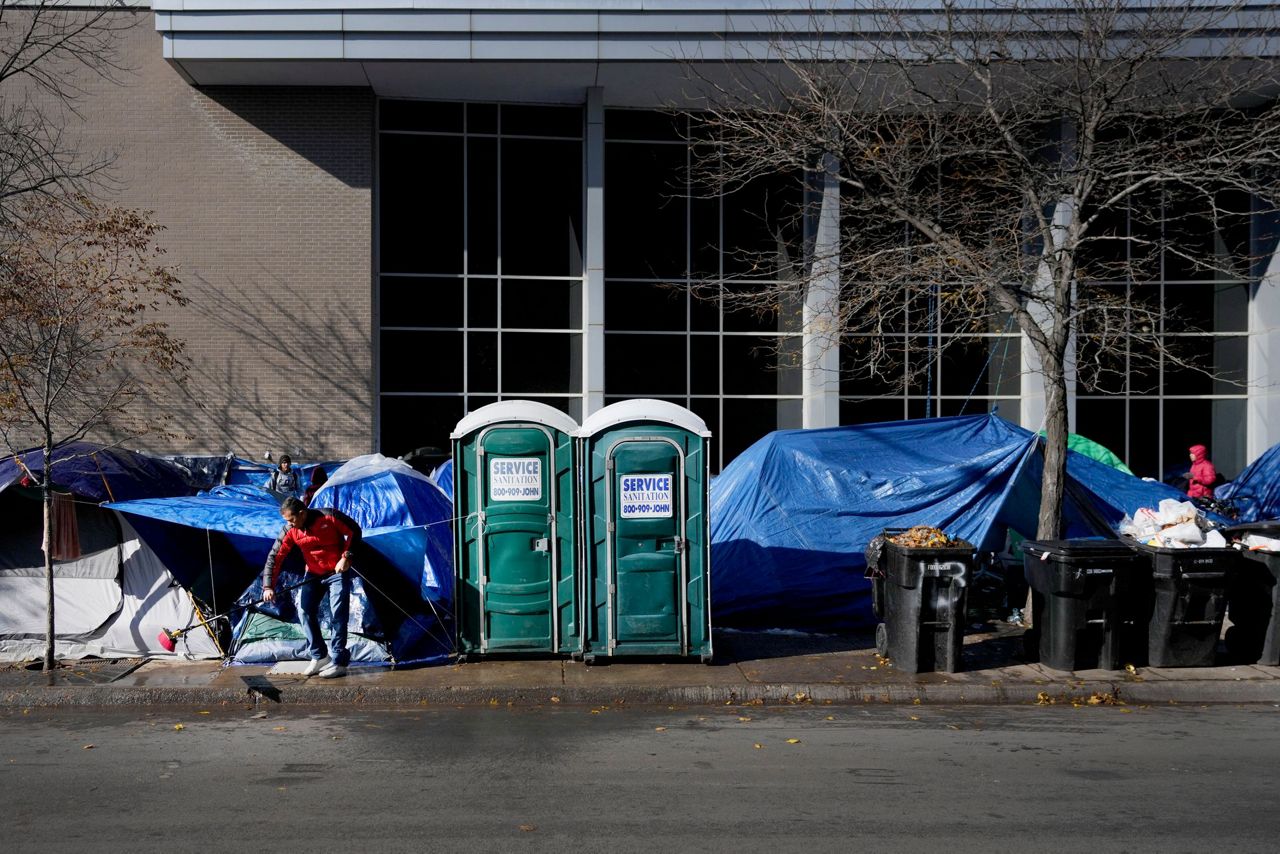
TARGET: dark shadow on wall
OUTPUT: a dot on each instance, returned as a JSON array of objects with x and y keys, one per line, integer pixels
[
  {"x": 294, "y": 377},
  {"x": 328, "y": 126}
]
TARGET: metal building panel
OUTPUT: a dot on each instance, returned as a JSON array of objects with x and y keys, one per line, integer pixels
[
  {"x": 264, "y": 47},
  {"x": 384, "y": 46},
  {"x": 534, "y": 47},
  {"x": 534, "y": 22},
  {"x": 256, "y": 22},
  {"x": 407, "y": 22}
]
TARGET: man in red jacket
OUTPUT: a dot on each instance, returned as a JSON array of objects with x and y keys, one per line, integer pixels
[
  {"x": 327, "y": 539},
  {"x": 1202, "y": 475}
]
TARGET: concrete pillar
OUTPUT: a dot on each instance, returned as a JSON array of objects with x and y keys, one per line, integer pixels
[
  {"x": 593, "y": 269},
  {"x": 1263, "y": 406},
  {"x": 1032, "y": 403},
  {"x": 821, "y": 347}
]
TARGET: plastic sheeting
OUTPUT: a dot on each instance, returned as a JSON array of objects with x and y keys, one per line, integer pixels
[
  {"x": 792, "y": 515},
  {"x": 1256, "y": 492},
  {"x": 218, "y": 542},
  {"x": 443, "y": 478},
  {"x": 113, "y": 604},
  {"x": 96, "y": 473},
  {"x": 379, "y": 491},
  {"x": 1095, "y": 451}
]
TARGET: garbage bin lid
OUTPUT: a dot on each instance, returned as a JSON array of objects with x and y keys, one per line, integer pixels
[
  {"x": 1079, "y": 547},
  {"x": 514, "y": 410},
  {"x": 1268, "y": 528},
  {"x": 643, "y": 409}
]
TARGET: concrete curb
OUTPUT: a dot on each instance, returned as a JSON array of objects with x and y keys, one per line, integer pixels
[{"x": 262, "y": 692}]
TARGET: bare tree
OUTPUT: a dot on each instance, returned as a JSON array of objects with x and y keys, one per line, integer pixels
[
  {"x": 1008, "y": 166},
  {"x": 50, "y": 51},
  {"x": 81, "y": 290}
]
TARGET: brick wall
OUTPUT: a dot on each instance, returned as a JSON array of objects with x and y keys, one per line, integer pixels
[{"x": 265, "y": 193}]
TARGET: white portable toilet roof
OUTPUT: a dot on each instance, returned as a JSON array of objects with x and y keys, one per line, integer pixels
[
  {"x": 514, "y": 410},
  {"x": 643, "y": 410}
]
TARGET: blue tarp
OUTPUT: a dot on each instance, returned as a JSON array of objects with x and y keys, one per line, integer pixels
[
  {"x": 792, "y": 516},
  {"x": 220, "y": 540},
  {"x": 443, "y": 477},
  {"x": 97, "y": 473},
  {"x": 1256, "y": 492}
]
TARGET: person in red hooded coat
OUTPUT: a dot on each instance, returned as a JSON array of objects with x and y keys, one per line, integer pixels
[{"x": 1203, "y": 474}]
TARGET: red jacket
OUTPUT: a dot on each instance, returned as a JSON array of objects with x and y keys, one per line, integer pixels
[
  {"x": 1203, "y": 474},
  {"x": 324, "y": 538}
]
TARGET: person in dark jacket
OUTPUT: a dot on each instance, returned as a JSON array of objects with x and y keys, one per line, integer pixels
[
  {"x": 327, "y": 539},
  {"x": 1202, "y": 476},
  {"x": 318, "y": 479},
  {"x": 284, "y": 478}
]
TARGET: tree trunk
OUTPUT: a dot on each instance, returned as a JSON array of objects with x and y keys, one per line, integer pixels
[
  {"x": 1054, "y": 474},
  {"x": 46, "y": 498}
]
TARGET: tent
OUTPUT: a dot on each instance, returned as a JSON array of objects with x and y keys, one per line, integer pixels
[
  {"x": 443, "y": 477},
  {"x": 1094, "y": 451},
  {"x": 399, "y": 607},
  {"x": 99, "y": 473},
  {"x": 792, "y": 515},
  {"x": 1255, "y": 493},
  {"x": 112, "y": 593}
]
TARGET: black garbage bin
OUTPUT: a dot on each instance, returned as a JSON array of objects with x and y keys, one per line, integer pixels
[
  {"x": 1081, "y": 613},
  {"x": 1188, "y": 601},
  {"x": 1253, "y": 600},
  {"x": 922, "y": 600}
]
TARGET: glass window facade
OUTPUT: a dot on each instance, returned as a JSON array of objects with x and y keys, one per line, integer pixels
[
  {"x": 479, "y": 263},
  {"x": 480, "y": 295},
  {"x": 1150, "y": 404},
  {"x": 668, "y": 251}
]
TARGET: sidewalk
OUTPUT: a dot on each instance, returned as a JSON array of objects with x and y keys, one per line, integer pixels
[{"x": 751, "y": 668}]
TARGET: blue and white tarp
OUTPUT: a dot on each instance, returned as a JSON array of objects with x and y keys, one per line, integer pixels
[
  {"x": 791, "y": 516},
  {"x": 219, "y": 541},
  {"x": 1256, "y": 492}
]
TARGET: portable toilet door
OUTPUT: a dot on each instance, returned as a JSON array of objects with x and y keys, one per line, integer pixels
[
  {"x": 514, "y": 546},
  {"x": 646, "y": 545}
]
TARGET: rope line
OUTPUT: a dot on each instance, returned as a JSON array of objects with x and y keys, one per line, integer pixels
[{"x": 991, "y": 354}]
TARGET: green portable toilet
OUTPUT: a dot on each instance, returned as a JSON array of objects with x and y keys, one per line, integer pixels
[
  {"x": 513, "y": 535},
  {"x": 646, "y": 551}
]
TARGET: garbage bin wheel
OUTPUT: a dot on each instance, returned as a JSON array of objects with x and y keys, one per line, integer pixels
[
  {"x": 706, "y": 658},
  {"x": 462, "y": 658},
  {"x": 576, "y": 656},
  {"x": 589, "y": 659},
  {"x": 882, "y": 639}
]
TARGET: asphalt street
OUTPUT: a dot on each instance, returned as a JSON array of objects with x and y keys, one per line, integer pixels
[{"x": 741, "y": 778}]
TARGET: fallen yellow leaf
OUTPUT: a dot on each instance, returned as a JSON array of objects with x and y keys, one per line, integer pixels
[
  {"x": 915, "y": 718},
  {"x": 204, "y": 713},
  {"x": 831, "y": 717},
  {"x": 88, "y": 747},
  {"x": 179, "y": 727},
  {"x": 528, "y": 828},
  {"x": 278, "y": 729},
  {"x": 744, "y": 719},
  {"x": 793, "y": 741},
  {"x": 659, "y": 729},
  {"x": 758, "y": 746},
  {"x": 555, "y": 699}
]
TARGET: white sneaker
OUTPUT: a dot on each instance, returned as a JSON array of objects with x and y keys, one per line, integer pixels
[
  {"x": 333, "y": 671},
  {"x": 316, "y": 665}
]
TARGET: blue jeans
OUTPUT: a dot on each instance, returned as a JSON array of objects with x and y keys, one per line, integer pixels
[{"x": 338, "y": 588}]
